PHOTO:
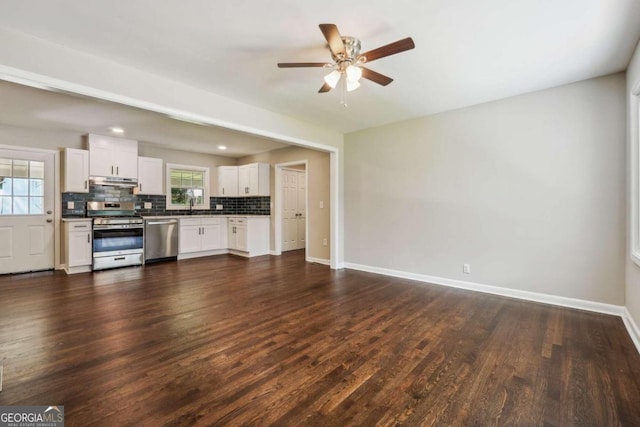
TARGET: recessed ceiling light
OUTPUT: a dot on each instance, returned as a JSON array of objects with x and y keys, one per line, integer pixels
[
  {"x": 116, "y": 129},
  {"x": 222, "y": 147}
]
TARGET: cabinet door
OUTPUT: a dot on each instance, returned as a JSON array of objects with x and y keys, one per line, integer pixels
[
  {"x": 150, "y": 176},
  {"x": 231, "y": 234},
  {"x": 227, "y": 181},
  {"x": 80, "y": 249},
  {"x": 76, "y": 171},
  {"x": 244, "y": 179},
  {"x": 190, "y": 238},
  {"x": 126, "y": 158},
  {"x": 241, "y": 237},
  {"x": 211, "y": 237},
  {"x": 100, "y": 156}
]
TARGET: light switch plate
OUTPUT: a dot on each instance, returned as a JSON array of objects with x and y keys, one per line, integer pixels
[
  {"x": 321, "y": 204},
  {"x": 219, "y": 207},
  {"x": 148, "y": 205},
  {"x": 71, "y": 205}
]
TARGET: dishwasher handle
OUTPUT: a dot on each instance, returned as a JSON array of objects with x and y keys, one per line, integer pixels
[{"x": 166, "y": 222}]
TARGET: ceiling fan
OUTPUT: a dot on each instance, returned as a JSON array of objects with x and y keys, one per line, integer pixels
[{"x": 348, "y": 61}]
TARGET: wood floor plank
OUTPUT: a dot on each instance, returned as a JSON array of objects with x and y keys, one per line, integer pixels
[{"x": 276, "y": 341}]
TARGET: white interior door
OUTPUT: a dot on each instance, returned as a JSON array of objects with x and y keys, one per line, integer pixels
[
  {"x": 26, "y": 211},
  {"x": 302, "y": 211},
  {"x": 289, "y": 209},
  {"x": 293, "y": 209}
]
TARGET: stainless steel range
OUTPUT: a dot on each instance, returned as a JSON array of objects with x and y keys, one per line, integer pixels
[{"x": 118, "y": 234}]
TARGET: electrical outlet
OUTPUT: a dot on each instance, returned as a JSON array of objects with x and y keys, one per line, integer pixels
[
  {"x": 71, "y": 205},
  {"x": 148, "y": 205},
  {"x": 324, "y": 242},
  {"x": 466, "y": 268},
  {"x": 219, "y": 207}
]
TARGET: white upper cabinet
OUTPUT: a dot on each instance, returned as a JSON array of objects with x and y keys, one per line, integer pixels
[
  {"x": 150, "y": 176},
  {"x": 76, "y": 171},
  {"x": 227, "y": 181},
  {"x": 113, "y": 157},
  {"x": 253, "y": 179},
  {"x": 243, "y": 181}
]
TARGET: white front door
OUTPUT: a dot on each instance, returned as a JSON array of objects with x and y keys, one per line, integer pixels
[
  {"x": 26, "y": 211},
  {"x": 293, "y": 209}
]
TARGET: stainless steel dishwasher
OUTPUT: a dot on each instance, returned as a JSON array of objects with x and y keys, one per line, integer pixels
[{"x": 160, "y": 239}]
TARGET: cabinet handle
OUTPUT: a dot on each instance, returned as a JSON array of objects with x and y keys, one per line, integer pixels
[
  {"x": 140, "y": 186},
  {"x": 88, "y": 238},
  {"x": 223, "y": 191},
  {"x": 118, "y": 170},
  {"x": 111, "y": 170},
  {"x": 79, "y": 226},
  {"x": 85, "y": 184}
]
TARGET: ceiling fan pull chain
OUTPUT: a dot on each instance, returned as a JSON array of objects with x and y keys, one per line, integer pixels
[{"x": 343, "y": 90}]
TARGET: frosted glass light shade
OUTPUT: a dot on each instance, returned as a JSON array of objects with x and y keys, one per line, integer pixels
[
  {"x": 352, "y": 85},
  {"x": 332, "y": 78},
  {"x": 354, "y": 73}
]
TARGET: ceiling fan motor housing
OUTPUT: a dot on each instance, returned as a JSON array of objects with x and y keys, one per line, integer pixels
[{"x": 351, "y": 50}]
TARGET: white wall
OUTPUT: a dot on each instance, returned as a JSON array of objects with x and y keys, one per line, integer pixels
[
  {"x": 632, "y": 270},
  {"x": 529, "y": 190}
]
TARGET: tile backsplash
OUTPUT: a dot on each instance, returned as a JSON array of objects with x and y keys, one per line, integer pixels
[{"x": 230, "y": 205}]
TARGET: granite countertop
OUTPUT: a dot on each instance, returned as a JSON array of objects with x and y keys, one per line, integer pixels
[{"x": 203, "y": 216}]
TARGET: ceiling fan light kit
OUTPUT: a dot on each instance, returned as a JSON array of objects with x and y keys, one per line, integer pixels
[{"x": 347, "y": 61}]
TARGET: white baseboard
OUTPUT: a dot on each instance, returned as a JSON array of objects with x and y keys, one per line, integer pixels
[
  {"x": 632, "y": 328},
  {"x": 318, "y": 260},
  {"x": 598, "y": 307},
  {"x": 275, "y": 253}
]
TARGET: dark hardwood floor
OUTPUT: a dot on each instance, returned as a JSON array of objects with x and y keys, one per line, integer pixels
[{"x": 274, "y": 340}]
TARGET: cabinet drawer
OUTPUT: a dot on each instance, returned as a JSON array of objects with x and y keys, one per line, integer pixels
[
  {"x": 190, "y": 221},
  {"x": 211, "y": 221},
  {"x": 237, "y": 220}
]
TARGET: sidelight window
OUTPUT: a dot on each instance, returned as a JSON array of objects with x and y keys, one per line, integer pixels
[{"x": 21, "y": 187}]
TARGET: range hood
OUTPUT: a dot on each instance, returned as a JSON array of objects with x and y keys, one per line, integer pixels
[{"x": 113, "y": 181}]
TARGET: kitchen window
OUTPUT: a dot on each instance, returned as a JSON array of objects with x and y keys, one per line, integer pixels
[
  {"x": 21, "y": 187},
  {"x": 187, "y": 187}
]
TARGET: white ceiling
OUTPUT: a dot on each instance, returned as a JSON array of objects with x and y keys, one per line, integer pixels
[{"x": 467, "y": 51}]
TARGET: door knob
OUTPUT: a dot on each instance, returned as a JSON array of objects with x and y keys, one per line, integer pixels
[
  {"x": 49, "y": 220},
  {"x": 49, "y": 212}
]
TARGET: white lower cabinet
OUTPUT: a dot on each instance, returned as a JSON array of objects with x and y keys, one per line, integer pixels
[
  {"x": 248, "y": 236},
  {"x": 202, "y": 236},
  {"x": 78, "y": 246}
]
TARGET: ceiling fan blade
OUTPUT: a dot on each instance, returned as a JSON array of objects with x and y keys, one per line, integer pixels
[
  {"x": 325, "y": 88},
  {"x": 331, "y": 33},
  {"x": 301, "y": 64},
  {"x": 389, "y": 49},
  {"x": 381, "y": 79}
]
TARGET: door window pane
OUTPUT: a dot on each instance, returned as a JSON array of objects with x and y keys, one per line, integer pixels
[
  {"x": 20, "y": 205},
  {"x": 5, "y": 205},
  {"x": 36, "y": 187},
  {"x": 21, "y": 168},
  {"x": 6, "y": 186},
  {"x": 21, "y": 187},
  {"x": 35, "y": 205},
  {"x": 36, "y": 169},
  {"x": 5, "y": 168}
]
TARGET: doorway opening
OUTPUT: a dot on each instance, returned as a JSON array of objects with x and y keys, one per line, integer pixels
[{"x": 291, "y": 207}]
